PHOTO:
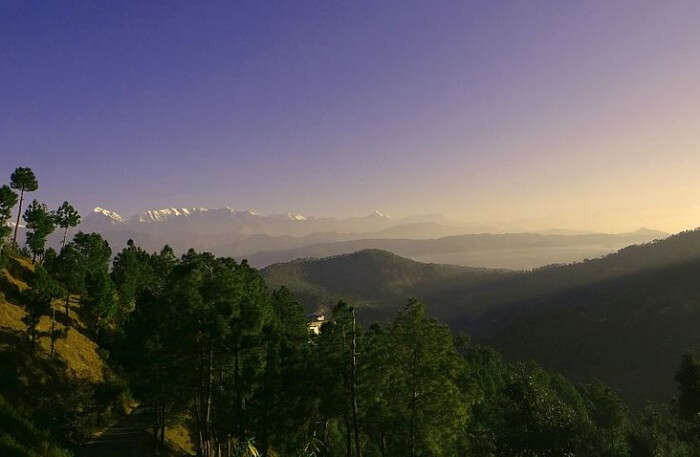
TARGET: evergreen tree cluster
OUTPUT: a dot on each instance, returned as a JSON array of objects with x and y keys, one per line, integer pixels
[
  {"x": 39, "y": 221},
  {"x": 207, "y": 344}
]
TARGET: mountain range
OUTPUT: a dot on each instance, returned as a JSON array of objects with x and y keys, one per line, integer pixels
[{"x": 267, "y": 239}]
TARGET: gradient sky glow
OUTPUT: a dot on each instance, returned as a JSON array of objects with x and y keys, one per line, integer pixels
[{"x": 523, "y": 114}]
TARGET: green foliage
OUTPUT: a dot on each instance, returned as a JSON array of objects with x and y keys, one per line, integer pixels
[
  {"x": 20, "y": 437},
  {"x": 66, "y": 216},
  {"x": 206, "y": 336},
  {"x": 688, "y": 378},
  {"x": 378, "y": 280},
  {"x": 99, "y": 301},
  {"x": 656, "y": 432},
  {"x": 40, "y": 224},
  {"x": 282, "y": 396},
  {"x": 91, "y": 253},
  {"x": 37, "y": 299},
  {"x": 8, "y": 200},
  {"x": 609, "y": 415},
  {"x": 94, "y": 250},
  {"x": 639, "y": 306},
  {"x": 22, "y": 179},
  {"x": 426, "y": 368}
]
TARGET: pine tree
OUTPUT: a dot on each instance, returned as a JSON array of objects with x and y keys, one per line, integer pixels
[
  {"x": 427, "y": 397},
  {"x": 66, "y": 216},
  {"x": 70, "y": 270},
  {"x": 37, "y": 300},
  {"x": 132, "y": 273},
  {"x": 22, "y": 179},
  {"x": 283, "y": 398},
  {"x": 40, "y": 223},
  {"x": 8, "y": 200},
  {"x": 99, "y": 297}
]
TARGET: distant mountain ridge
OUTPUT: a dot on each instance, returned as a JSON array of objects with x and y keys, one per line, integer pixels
[
  {"x": 265, "y": 239},
  {"x": 431, "y": 250},
  {"x": 214, "y": 220}
]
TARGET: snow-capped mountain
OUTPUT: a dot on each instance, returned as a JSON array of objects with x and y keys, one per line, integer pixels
[
  {"x": 230, "y": 221},
  {"x": 113, "y": 217}
]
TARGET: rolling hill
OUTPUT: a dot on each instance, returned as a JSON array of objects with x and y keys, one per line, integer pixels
[
  {"x": 376, "y": 279},
  {"x": 624, "y": 318}
]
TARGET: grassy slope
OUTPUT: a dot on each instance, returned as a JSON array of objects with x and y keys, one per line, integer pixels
[
  {"x": 77, "y": 352},
  {"x": 39, "y": 390},
  {"x": 77, "y": 355}
]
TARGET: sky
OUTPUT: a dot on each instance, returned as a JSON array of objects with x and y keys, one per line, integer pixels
[{"x": 517, "y": 114}]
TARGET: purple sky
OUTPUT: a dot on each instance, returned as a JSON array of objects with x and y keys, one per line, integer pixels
[{"x": 520, "y": 113}]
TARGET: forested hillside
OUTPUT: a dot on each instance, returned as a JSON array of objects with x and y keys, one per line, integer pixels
[
  {"x": 639, "y": 305},
  {"x": 624, "y": 331},
  {"x": 464, "y": 295},
  {"x": 377, "y": 280}
]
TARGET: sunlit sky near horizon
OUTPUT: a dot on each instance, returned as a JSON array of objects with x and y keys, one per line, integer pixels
[{"x": 515, "y": 114}]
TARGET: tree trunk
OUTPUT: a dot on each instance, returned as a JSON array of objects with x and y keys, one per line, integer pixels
[
  {"x": 612, "y": 438},
  {"x": 19, "y": 213},
  {"x": 162, "y": 426},
  {"x": 155, "y": 435},
  {"x": 412, "y": 430},
  {"x": 239, "y": 394},
  {"x": 348, "y": 436},
  {"x": 200, "y": 406},
  {"x": 65, "y": 234},
  {"x": 414, "y": 397},
  {"x": 53, "y": 329},
  {"x": 207, "y": 411},
  {"x": 67, "y": 304},
  {"x": 353, "y": 386}
]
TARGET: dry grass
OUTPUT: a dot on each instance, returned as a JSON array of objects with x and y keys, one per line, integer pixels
[
  {"x": 11, "y": 316},
  {"x": 179, "y": 438},
  {"x": 76, "y": 350},
  {"x": 24, "y": 263},
  {"x": 11, "y": 284}
]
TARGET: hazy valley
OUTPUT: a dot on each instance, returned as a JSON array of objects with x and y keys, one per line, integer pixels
[{"x": 267, "y": 239}]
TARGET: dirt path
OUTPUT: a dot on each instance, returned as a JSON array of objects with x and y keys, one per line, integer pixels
[{"x": 126, "y": 438}]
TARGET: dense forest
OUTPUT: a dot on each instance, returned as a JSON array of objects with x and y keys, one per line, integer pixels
[
  {"x": 203, "y": 343},
  {"x": 622, "y": 318}
]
